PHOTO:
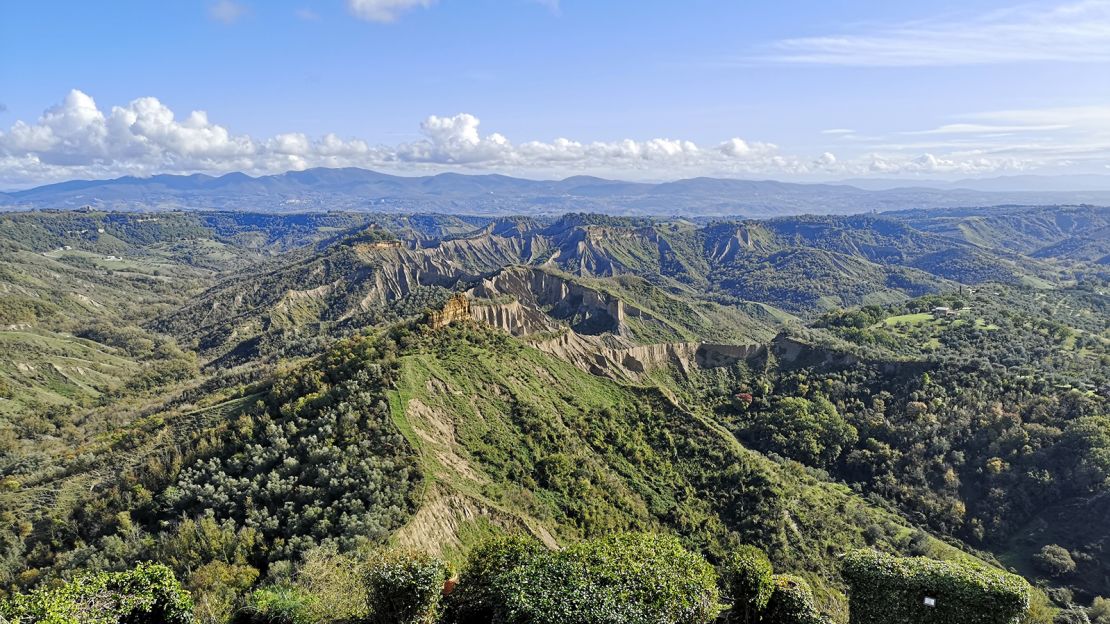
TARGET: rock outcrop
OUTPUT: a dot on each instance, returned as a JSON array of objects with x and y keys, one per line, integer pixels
[{"x": 456, "y": 309}]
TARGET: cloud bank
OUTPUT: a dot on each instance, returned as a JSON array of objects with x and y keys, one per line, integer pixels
[{"x": 77, "y": 139}]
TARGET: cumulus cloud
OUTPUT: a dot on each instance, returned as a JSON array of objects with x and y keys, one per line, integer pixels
[
  {"x": 384, "y": 10},
  {"x": 78, "y": 139}
]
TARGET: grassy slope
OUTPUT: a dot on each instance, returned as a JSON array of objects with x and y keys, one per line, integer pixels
[
  {"x": 487, "y": 419},
  {"x": 43, "y": 367}
]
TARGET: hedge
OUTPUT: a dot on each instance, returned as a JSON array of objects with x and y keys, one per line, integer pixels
[
  {"x": 148, "y": 594},
  {"x": 893, "y": 590}
]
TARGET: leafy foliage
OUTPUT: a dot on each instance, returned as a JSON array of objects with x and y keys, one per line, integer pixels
[
  {"x": 148, "y": 594},
  {"x": 405, "y": 587},
  {"x": 749, "y": 582},
  {"x": 891, "y": 590},
  {"x": 628, "y": 578},
  {"x": 791, "y": 602},
  {"x": 475, "y": 599},
  {"x": 1055, "y": 560},
  {"x": 320, "y": 462}
]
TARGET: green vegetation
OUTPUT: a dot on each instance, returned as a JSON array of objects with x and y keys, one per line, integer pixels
[
  {"x": 261, "y": 405},
  {"x": 149, "y": 594},
  {"x": 618, "y": 579},
  {"x": 891, "y": 590},
  {"x": 749, "y": 582}
]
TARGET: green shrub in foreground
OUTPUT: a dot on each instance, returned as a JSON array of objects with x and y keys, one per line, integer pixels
[
  {"x": 279, "y": 604},
  {"x": 474, "y": 600},
  {"x": 791, "y": 602},
  {"x": 148, "y": 594},
  {"x": 892, "y": 590},
  {"x": 405, "y": 587},
  {"x": 630, "y": 578},
  {"x": 748, "y": 581}
]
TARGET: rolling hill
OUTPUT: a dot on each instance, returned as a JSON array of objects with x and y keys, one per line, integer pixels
[{"x": 369, "y": 191}]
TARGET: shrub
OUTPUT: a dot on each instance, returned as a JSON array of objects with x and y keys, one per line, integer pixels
[
  {"x": 748, "y": 581},
  {"x": 337, "y": 583},
  {"x": 216, "y": 587},
  {"x": 791, "y": 602},
  {"x": 405, "y": 587},
  {"x": 1054, "y": 560},
  {"x": 892, "y": 590},
  {"x": 148, "y": 594},
  {"x": 279, "y": 604},
  {"x": 630, "y": 578},
  {"x": 474, "y": 598},
  {"x": 1100, "y": 610},
  {"x": 1073, "y": 615}
]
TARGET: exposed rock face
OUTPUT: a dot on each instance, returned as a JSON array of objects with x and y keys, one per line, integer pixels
[
  {"x": 590, "y": 326},
  {"x": 514, "y": 318},
  {"x": 632, "y": 362},
  {"x": 589, "y": 311},
  {"x": 456, "y": 309}
]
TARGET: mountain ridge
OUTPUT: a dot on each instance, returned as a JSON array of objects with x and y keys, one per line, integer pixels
[{"x": 320, "y": 189}]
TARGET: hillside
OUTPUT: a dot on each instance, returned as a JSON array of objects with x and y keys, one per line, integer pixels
[
  {"x": 361, "y": 190},
  {"x": 220, "y": 389}
]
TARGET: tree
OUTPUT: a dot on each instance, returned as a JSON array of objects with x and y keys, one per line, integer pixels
[
  {"x": 1055, "y": 560},
  {"x": 810, "y": 431}
]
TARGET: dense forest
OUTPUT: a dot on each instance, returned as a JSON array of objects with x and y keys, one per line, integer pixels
[{"x": 335, "y": 418}]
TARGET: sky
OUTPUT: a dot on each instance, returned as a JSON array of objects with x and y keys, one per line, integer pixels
[{"x": 798, "y": 90}]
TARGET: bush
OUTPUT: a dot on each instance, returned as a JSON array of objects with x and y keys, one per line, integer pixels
[
  {"x": 791, "y": 602},
  {"x": 631, "y": 578},
  {"x": 216, "y": 587},
  {"x": 148, "y": 594},
  {"x": 475, "y": 597},
  {"x": 1054, "y": 560},
  {"x": 405, "y": 587},
  {"x": 748, "y": 581},
  {"x": 1071, "y": 616},
  {"x": 892, "y": 590},
  {"x": 1100, "y": 610},
  {"x": 279, "y": 604},
  {"x": 337, "y": 582}
]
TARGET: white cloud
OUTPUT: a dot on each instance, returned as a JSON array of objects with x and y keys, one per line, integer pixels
[
  {"x": 307, "y": 14},
  {"x": 1078, "y": 32},
  {"x": 384, "y": 10},
  {"x": 977, "y": 128},
  {"x": 78, "y": 139},
  {"x": 226, "y": 11}
]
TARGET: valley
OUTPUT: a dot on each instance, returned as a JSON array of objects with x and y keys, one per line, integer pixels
[{"x": 247, "y": 390}]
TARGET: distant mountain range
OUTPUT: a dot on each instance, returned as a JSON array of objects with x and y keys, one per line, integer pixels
[{"x": 362, "y": 190}]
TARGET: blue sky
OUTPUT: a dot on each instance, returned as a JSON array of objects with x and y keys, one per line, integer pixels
[{"x": 645, "y": 89}]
